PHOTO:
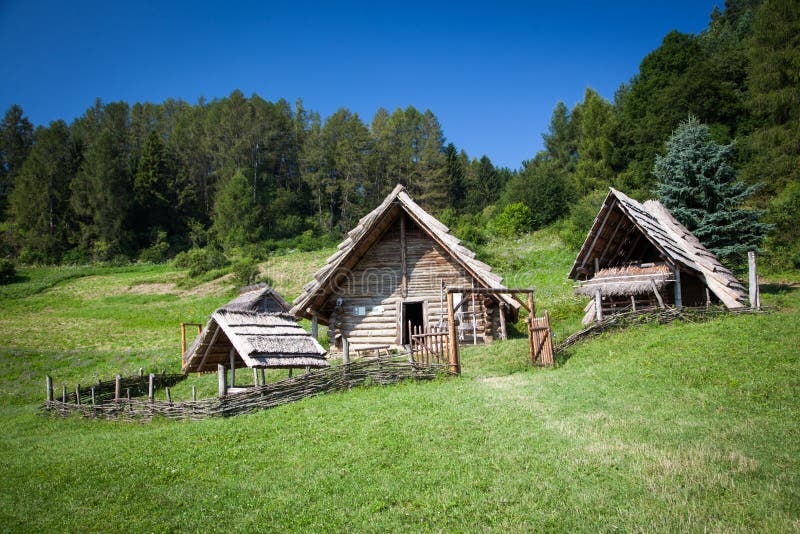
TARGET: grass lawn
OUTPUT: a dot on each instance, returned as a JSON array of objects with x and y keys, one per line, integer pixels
[{"x": 688, "y": 426}]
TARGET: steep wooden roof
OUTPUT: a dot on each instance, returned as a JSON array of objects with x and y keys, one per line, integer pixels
[
  {"x": 611, "y": 239},
  {"x": 258, "y": 298},
  {"x": 368, "y": 231}
]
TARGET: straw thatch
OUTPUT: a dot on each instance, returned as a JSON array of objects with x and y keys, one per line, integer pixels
[
  {"x": 261, "y": 334},
  {"x": 629, "y": 280},
  {"x": 258, "y": 298},
  {"x": 367, "y": 232},
  {"x": 626, "y": 231}
]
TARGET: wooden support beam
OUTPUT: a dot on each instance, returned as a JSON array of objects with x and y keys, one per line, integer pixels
[
  {"x": 633, "y": 303},
  {"x": 263, "y": 377},
  {"x": 633, "y": 246},
  {"x": 346, "y": 350},
  {"x": 255, "y": 377},
  {"x": 488, "y": 290},
  {"x": 403, "y": 260},
  {"x": 315, "y": 326},
  {"x": 48, "y": 384},
  {"x": 531, "y": 305},
  {"x": 678, "y": 290},
  {"x": 599, "y": 231},
  {"x": 183, "y": 340},
  {"x": 658, "y": 295},
  {"x": 708, "y": 298},
  {"x": 232, "y": 357},
  {"x": 598, "y": 305},
  {"x": 455, "y": 364},
  {"x": 752, "y": 281},
  {"x": 596, "y": 265},
  {"x": 208, "y": 349},
  {"x": 221, "y": 380},
  {"x": 619, "y": 225},
  {"x": 503, "y": 331}
]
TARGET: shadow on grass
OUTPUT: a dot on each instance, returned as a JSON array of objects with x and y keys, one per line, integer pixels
[{"x": 777, "y": 288}]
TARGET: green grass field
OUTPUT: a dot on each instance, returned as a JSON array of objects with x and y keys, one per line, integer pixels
[{"x": 688, "y": 426}]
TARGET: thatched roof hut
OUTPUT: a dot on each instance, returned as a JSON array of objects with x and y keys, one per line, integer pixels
[
  {"x": 253, "y": 330},
  {"x": 639, "y": 248},
  {"x": 390, "y": 271}
]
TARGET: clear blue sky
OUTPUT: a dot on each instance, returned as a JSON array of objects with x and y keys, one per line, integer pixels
[{"x": 491, "y": 71}]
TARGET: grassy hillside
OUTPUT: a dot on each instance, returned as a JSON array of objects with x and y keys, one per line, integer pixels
[{"x": 685, "y": 426}]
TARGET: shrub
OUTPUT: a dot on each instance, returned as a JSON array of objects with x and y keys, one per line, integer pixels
[
  {"x": 157, "y": 252},
  {"x": 515, "y": 219},
  {"x": 200, "y": 260},
  {"x": 575, "y": 228},
  {"x": 8, "y": 271},
  {"x": 245, "y": 272}
]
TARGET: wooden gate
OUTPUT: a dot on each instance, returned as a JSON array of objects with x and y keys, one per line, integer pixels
[
  {"x": 429, "y": 345},
  {"x": 541, "y": 340}
]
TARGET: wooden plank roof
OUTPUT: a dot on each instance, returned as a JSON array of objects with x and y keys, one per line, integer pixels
[
  {"x": 368, "y": 231},
  {"x": 676, "y": 244}
]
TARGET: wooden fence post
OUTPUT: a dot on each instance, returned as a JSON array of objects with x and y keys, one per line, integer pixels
[
  {"x": 183, "y": 340},
  {"x": 64, "y": 393},
  {"x": 169, "y": 397},
  {"x": 77, "y": 394},
  {"x": 752, "y": 280},
  {"x": 194, "y": 393},
  {"x": 598, "y": 305},
  {"x": 255, "y": 377},
  {"x": 92, "y": 395},
  {"x": 503, "y": 331},
  {"x": 222, "y": 380},
  {"x": 455, "y": 364},
  {"x": 678, "y": 291},
  {"x": 48, "y": 382},
  {"x": 151, "y": 387},
  {"x": 232, "y": 355},
  {"x": 314, "y": 326},
  {"x": 117, "y": 387},
  {"x": 345, "y": 350}
]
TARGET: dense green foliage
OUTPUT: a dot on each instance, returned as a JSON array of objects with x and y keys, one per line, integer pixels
[{"x": 239, "y": 171}]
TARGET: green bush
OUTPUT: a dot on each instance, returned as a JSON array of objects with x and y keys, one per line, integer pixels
[
  {"x": 515, "y": 219},
  {"x": 200, "y": 260},
  {"x": 157, "y": 252},
  {"x": 8, "y": 271},
  {"x": 575, "y": 228},
  {"x": 245, "y": 272}
]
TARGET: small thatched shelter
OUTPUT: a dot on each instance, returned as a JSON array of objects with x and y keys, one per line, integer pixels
[
  {"x": 638, "y": 255},
  {"x": 391, "y": 273},
  {"x": 253, "y": 330}
]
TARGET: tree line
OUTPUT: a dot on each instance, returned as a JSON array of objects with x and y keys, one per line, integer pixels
[{"x": 149, "y": 180}]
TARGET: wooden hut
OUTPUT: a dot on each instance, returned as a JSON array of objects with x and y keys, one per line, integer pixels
[
  {"x": 253, "y": 330},
  {"x": 637, "y": 255},
  {"x": 391, "y": 273}
]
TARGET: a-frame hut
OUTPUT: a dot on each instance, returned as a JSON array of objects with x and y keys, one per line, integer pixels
[
  {"x": 253, "y": 330},
  {"x": 638, "y": 255},
  {"x": 392, "y": 271}
]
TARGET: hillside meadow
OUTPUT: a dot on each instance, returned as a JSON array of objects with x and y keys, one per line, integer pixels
[{"x": 687, "y": 426}]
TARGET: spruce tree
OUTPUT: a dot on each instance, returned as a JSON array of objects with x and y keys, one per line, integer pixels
[{"x": 698, "y": 184}]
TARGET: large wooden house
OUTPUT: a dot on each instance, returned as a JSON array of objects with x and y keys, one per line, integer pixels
[
  {"x": 637, "y": 255},
  {"x": 390, "y": 274}
]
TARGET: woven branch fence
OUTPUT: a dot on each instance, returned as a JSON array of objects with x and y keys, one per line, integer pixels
[
  {"x": 661, "y": 316},
  {"x": 133, "y": 386},
  {"x": 362, "y": 372}
]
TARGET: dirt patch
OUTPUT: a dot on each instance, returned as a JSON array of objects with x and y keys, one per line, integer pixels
[
  {"x": 153, "y": 289},
  {"x": 218, "y": 287}
]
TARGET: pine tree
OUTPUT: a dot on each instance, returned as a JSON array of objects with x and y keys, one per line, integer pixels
[
  {"x": 153, "y": 189},
  {"x": 698, "y": 184},
  {"x": 16, "y": 139},
  {"x": 236, "y": 218}
]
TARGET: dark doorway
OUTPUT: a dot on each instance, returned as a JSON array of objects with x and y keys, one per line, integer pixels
[{"x": 412, "y": 311}]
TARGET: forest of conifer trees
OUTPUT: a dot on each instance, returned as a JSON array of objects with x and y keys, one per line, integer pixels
[{"x": 145, "y": 181}]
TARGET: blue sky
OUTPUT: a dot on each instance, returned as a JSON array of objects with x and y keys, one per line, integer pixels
[{"x": 491, "y": 71}]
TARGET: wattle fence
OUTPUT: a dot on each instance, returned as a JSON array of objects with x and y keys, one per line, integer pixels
[{"x": 362, "y": 372}]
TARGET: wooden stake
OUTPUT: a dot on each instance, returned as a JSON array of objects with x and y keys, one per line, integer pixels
[
  {"x": 633, "y": 303},
  {"x": 263, "y": 377},
  {"x": 64, "y": 393},
  {"x": 503, "y": 331},
  {"x": 455, "y": 364},
  {"x": 194, "y": 393},
  {"x": 752, "y": 280},
  {"x": 255, "y": 377},
  {"x": 345, "y": 350},
  {"x": 48, "y": 384},
  {"x": 92, "y": 395},
  {"x": 315, "y": 326},
  {"x": 678, "y": 292},
  {"x": 77, "y": 394},
  {"x": 117, "y": 388},
  {"x": 183, "y": 340},
  {"x": 708, "y": 298},
  {"x": 658, "y": 295},
  {"x": 221, "y": 380},
  {"x": 531, "y": 305},
  {"x": 151, "y": 389},
  {"x": 598, "y": 305},
  {"x": 169, "y": 397}
]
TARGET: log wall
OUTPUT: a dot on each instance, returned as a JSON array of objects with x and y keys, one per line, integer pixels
[{"x": 376, "y": 284}]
